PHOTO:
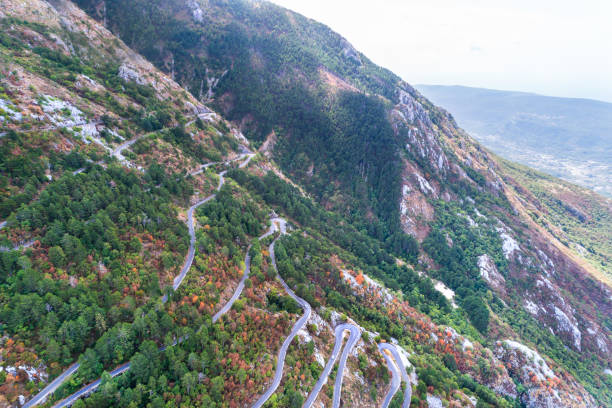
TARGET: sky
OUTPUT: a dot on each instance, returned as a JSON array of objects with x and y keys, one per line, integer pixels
[{"x": 550, "y": 47}]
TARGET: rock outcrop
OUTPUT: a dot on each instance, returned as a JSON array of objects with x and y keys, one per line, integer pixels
[
  {"x": 544, "y": 388},
  {"x": 489, "y": 272}
]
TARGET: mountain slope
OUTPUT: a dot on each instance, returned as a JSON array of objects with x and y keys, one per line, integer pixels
[
  {"x": 575, "y": 216},
  {"x": 381, "y": 188},
  {"x": 568, "y": 138}
]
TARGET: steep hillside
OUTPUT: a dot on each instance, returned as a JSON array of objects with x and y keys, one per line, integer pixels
[
  {"x": 89, "y": 234},
  {"x": 252, "y": 54},
  {"x": 575, "y": 216},
  {"x": 565, "y": 137},
  {"x": 148, "y": 242}
]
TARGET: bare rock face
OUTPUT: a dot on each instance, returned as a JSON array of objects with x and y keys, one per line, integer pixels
[
  {"x": 351, "y": 53},
  {"x": 415, "y": 211},
  {"x": 554, "y": 310},
  {"x": 196, "y": 11},
  {"x": 490, "y": 274},
  {"x": 510, "y": 247},
  {"x": 555, "y": 296},
  {"x": 549, "y": 306},
  {"x": 45, "y": 13},
  {"x": 410, "y": 115},
  {"x": 85, "y": 82},
  {"x": 544, "y": 387},
  {"x": 411, "y": 120},
  {"x": 62, "y": 113},
  {"x": 434, "y": 401},
  {"x": 129, "y": 74}
]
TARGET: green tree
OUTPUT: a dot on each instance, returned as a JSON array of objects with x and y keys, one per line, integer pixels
[
  {"x": 53, "y": 351},
  {"x": 189, "y": 381},
  {"x": 478, "y": 312},
  {"x": 216, "y": 388},
  {"x": 241, "y": 375},
  {"x": 90, "y": 367},
  {"x": 57, "y": 256},
  {"x": 140, "y": 368}
]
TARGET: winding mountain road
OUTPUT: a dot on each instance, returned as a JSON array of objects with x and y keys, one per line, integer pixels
[
  {"x": 88, "y": 389},
  {"x": 282, "y": 353},
  {"x": 192, "y": 238},
  {"x": 355, "y": 335},
  {"x": 228, "y": 305},
  {"x": 247, "y": 156},
  {"x": 402, "y": 366},
  {"x": 118, "y": 151},
  {"x": 202, "y": 116},
  {"x": 395, "y": 375},
  {"x": 52, "y": 386},
  {"x": 203, "y": 167},
  {"x": 399, "y": 373},
  {"x": 390, "y": 352},
  {"x": 23, "y": 245},
  {"x": 247, "y": 269}
]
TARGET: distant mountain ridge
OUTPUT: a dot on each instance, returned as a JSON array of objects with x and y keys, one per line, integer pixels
[{"x": 569, "y": 138}]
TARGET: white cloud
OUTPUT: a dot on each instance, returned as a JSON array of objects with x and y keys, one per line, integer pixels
[{"x": 553, "y": 47}]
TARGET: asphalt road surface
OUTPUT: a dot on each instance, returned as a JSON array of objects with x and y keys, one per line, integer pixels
[
  {"x": 282, "y": 353},
  {"x": 399, "y": 373},
  {"x": 355, "y": 335},
  {"x": 88, "y": 389},
  {"x": 51, "y": 387},
  {"x": 340, "y": 329},
  {"x": 395, "y": 375}
]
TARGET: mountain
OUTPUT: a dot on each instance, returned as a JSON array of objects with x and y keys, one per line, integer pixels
[
  {"x": 566, "y": 137},
  {"x": 201, "y": 199}
]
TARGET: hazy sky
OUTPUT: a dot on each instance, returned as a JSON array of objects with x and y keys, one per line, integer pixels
[{"x": 552, "y": 47}]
